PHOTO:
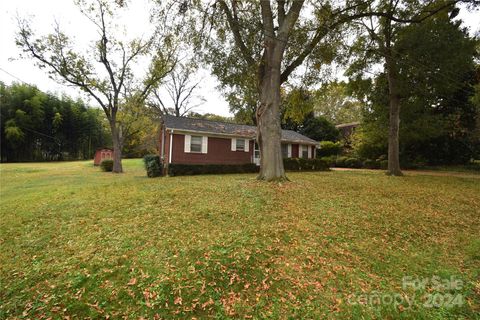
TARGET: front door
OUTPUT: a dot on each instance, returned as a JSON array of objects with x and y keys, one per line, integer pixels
[{"x": 256, "y": 155}]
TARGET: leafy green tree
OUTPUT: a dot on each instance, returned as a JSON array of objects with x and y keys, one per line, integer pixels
[
  {"x": 319, "y": 129},
  {"x": 379, "y": 46},
  {"x": 38, "y": 126},
  {"x": 298, "y": 114},
  {"x": 334, "y": 102},
  {"x": 211, "y": 116},
  {"x": 254, "y": 47},
  {"x": 436, "y": 79},
  {"x": 297, "y": 105},
  {"x": 115, "y": 58}
]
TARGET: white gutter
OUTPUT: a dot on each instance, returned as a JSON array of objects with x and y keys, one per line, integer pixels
[
  {"x": 162, "y": 152},
  {"x": 170, "y": 147},
  {"x": 213, "y": 134}
]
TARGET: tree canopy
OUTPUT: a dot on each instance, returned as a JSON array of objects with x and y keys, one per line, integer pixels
[
  {"x": 437, "y": 77},
  {"x": 38, "y": 126}
]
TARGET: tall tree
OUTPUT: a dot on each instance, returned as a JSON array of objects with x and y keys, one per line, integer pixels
[
  {"x": 334, "y": 102},
  {"x": 436, "y": 78},
  {"x": 107, "y": 82},
  {"x": 264, "y": 43},
  {"x": 38, "y": 126},
  {"x": 383, "y": 31},
  {"x": 181, "y": 89}
]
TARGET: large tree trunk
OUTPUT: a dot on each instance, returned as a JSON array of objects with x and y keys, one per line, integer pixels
[
  {"x": 269, "y": 131},
  {"x": 394, "y": 118},
  {"x": 117, "y": 148}
]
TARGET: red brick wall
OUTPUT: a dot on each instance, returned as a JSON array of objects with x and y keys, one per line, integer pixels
[{"x": 219, "y": 152}]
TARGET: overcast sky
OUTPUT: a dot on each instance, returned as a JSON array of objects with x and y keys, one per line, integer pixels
[{"x": 45, "y": 12}]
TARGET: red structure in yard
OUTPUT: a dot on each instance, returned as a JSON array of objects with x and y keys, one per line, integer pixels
[{"x": 102, "y": 154}]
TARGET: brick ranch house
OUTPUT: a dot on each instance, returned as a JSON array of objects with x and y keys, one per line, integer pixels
[{"x": 198, "y": 141}]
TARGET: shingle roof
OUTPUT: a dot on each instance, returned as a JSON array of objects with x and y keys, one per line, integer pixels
[{"x": 233, "y": 129}]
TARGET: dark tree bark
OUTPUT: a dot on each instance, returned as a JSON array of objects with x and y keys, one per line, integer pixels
[
  {"x": 269, "y": 130},
  {"x": 117, "y": 142},
  {"x": 394, "y": 117}
]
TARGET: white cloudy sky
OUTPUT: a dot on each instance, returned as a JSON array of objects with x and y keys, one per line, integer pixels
[{"x": 43, "y": 14}]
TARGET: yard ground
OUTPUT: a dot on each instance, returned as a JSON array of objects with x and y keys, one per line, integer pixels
[{"x": 81, "y": 243}]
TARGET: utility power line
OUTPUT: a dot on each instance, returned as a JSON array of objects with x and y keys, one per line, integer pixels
[{"x": 13, "y": 76}]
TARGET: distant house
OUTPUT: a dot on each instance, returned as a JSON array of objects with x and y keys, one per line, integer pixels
[
  {"x": 102, "y": 154},
  {"x": 200, "y": 141},
  {"x": 347, "y": 129}
]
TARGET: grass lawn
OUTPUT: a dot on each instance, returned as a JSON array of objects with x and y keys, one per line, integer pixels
[{"x": 76, "y": 242}]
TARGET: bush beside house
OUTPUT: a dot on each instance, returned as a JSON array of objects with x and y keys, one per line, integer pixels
[
  {"x": 153, "y": 165},
  {"x": 300, "y": 164},
  {"x": 195, "y": 169},
  {"x": 106, "y": 165}
]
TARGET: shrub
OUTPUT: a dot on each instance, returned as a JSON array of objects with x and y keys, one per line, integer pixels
[
  {"x": 304, "y": 164},
  {"x": 474, "y": 165},
  {"x": 291, "y": 164},
  {"x": 384, "y": 164},
  {"x": 371, "y": 164},
  {"x": 106, "y": 165},
  {"x": 329, "y": 148},
  {"x": 348, "y": 162},
  {"x": 341, "y": 162},
  {"x": 194, "y": 169},
  {"x": 153, "y": 165},
  {"x": 330, "y": 160},
  {"x": 320, "y": 165},
  {"x": 353, "y": 163},
  {"x": 301, "y": 164}
]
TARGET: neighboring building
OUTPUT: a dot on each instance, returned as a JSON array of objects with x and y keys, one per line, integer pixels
[
  {"x": 347, "y": 129},
  {"x": 200, "y": 141},
  {"x": 102, "y": 154}
]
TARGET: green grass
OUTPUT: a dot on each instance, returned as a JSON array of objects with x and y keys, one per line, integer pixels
[{"x": 78, "y": 242}]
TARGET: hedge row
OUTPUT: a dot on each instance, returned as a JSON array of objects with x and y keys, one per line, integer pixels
[
  {"x": 300, "y": 164},
  {"x": 194, "y": 169},
  {"x": 153, "y": 165},
  {"x": 352, "y": 162}
]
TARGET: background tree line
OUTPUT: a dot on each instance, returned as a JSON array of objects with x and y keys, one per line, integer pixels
[
  {"x": 407, "y": 62},
  {"x": 38, "y": 126}
]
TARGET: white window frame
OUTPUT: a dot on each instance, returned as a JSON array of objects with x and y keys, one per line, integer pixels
[
  {"x": 203, "y": 144},
  {"x": 246, "y": 145},
  {"x": 242, "y": 148},
  {"x": 300, "y": 149},
  {"x": 199, "y": 144}
]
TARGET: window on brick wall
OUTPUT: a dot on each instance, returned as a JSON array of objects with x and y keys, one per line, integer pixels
[
  {"x": 196, "y": 144},
  {"x": 304, "y": 151},
  {"x": 240, "y": 144}
]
